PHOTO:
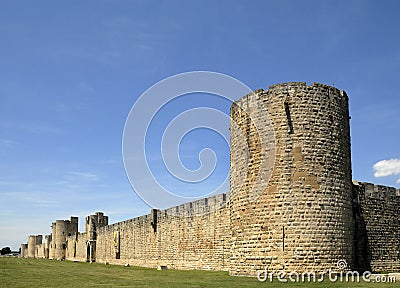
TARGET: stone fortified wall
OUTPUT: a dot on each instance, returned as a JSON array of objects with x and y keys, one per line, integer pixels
[
  {"x": 184, "y": 237},
  {"x": 377, "y": 239},
  {"x": 195, "y": 235},
  {"x": 303, "y": 215}
]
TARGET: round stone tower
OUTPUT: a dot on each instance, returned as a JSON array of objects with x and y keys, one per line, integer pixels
[
  {"x": 60, "y": 230},
  {"x": 31, "y": 246},
  {"x": 60, "y": 239},
  {"x": 52, "y": 248},
  {"x": 47, "y": 243},
  {"x": 290, "y": 195},
  {"x": 24, "y": 251}
]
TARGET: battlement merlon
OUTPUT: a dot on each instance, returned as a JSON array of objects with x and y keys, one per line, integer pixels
[
  {"x": 371, "y": 190},
  {"x": 289, "y": 87},
  {"x": 197, "y": 207},
  {"x": 189, "y": 209},
  {"x": 303, "y": 85}
]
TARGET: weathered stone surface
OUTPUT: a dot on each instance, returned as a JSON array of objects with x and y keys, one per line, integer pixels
[
  {"x": 301, "y": 214},
  {"x": 377, "y": 242},
  {"x": 307, "y": 202},
  {"x": 184, "y": 238}
]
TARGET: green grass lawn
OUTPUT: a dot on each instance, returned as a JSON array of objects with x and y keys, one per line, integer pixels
[{"x": 17, "y": 272}]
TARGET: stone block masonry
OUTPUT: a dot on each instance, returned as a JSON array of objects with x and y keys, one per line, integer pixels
[
  {"x": 60, "y": 230},
  {"x": 292, "y": 205},
  {"x": 191, "y": 236},
  {"x": 302, "y": 220},
  {"x": 377, "y": 214},
  {"x": 33, "y": 242},
  {"x": 24, "y": 250}
]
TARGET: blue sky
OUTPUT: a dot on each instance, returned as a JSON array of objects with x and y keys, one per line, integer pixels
[{"x": 71, "y": 70}]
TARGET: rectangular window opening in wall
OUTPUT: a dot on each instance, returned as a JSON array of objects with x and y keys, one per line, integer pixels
[{"x": 117, "y": 255}]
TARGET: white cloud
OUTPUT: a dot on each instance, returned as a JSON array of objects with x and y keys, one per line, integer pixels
[
  {"x": 387, "y": 167},
  {"x": 398, "y": 181}
]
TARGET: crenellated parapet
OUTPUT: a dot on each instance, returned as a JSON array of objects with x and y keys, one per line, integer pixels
[
  {"x": 377, "y": 223},
  {"x": 197, "y": 207},
  {"x": 370, "y": 190}
]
